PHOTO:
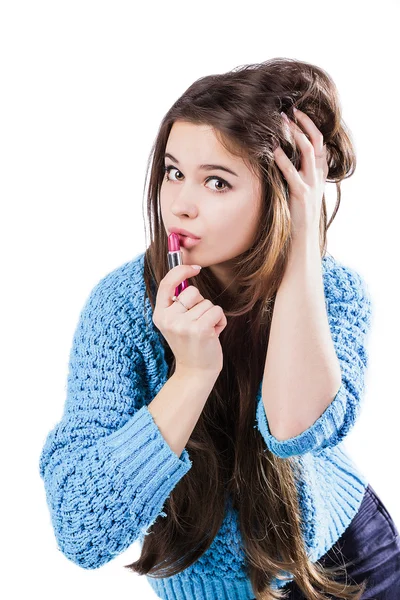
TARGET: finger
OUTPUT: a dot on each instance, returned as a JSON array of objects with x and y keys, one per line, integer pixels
[
  {"x": 173, "y": 278},
  {"x": 288, "y": 169},
  {"x": 220, "y": 326},
  {"x": 307, "y": 153},
  {"x": 211, "y": 316},
  {"x": 315, "y": 135},
  {"x": 323, "y": 163},
  {"x": 187, "y": 299}
]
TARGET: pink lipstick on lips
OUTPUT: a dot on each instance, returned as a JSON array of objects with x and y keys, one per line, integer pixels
[{"x": 175, "y": 259}]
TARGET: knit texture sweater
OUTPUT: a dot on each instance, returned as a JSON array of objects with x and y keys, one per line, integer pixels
[{"x": 107, "y": 470}]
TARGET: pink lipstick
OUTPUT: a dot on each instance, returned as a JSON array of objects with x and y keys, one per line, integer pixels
[{"x": 175, "y": 258}]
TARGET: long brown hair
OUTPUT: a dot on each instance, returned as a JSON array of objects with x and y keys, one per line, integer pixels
[{"x": 228, "y": 453}]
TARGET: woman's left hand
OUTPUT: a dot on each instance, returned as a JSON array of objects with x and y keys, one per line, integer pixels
[{"x": 306, "y": 186}]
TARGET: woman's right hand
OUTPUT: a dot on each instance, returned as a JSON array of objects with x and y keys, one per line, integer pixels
[{"x": 193, "y": 334}]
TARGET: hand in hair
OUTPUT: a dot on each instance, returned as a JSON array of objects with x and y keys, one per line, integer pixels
[{"x": 306, "y": 186}]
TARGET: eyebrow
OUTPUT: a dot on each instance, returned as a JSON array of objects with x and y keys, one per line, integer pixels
[{"x": 204, "y": 167}]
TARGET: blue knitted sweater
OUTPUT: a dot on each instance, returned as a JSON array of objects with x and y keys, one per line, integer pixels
[{"x": 107, "y": 470}]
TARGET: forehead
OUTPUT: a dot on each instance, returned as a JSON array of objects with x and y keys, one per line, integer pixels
[
  {"x": 194, "y": 137},
  {"x": 195, "y": 144}
]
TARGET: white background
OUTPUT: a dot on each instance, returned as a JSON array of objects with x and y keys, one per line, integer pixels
[{"x": 84, "y": 86}]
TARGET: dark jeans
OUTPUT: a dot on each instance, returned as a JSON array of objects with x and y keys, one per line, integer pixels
[{"x": 372, "y": 544}]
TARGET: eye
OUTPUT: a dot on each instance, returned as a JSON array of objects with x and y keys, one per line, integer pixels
[{"x": 168, "y": 168}]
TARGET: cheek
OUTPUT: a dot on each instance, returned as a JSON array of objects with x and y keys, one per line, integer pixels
[
  {"x": 243, "y": 229},
  {"x": 163, "y": 203},
  {"x": 243, "y": 221}
]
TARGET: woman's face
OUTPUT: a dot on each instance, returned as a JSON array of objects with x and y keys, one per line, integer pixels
[{"x": 226, "y": 220}]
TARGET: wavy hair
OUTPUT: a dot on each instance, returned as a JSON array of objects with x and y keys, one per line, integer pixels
[{"x": 228, "y": 454}]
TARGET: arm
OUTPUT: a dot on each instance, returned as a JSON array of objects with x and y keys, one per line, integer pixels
[
  {"x": 178, "y": 406},
  {"x": 315, "y": 408},
  {"x": 106, "y": 467},
  {"x": 302, "y": 372}
]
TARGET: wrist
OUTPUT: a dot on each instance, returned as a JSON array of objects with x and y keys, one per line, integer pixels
[{"x": 197, "y": 375}]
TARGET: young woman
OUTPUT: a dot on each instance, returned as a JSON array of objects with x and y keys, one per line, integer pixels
[{"x": 256, "y": 371}]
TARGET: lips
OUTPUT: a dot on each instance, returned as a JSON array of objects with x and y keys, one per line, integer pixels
[
  {"x": 187, "y": 241},
  {"x": 184, "y": 232}
]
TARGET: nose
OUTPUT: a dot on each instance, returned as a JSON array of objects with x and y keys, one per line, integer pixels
[{"x": 183, "y": 204}]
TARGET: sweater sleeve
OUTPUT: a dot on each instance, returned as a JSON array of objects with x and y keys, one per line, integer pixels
[
  {"x": 349, "y": 309},
  {"x": 106, "y": 468}
]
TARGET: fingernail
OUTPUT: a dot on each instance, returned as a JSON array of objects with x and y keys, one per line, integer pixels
[
  {"x": 284, "y": 115},
  {"x": 295, "y": 109},
  {"x": 196, "y": 266}
]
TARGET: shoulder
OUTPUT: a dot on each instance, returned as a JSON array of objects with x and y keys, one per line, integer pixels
[
  {"x": 346, "y": 291},
  {"x": 118, "y": 295},
  {"x": 128, "y": 276},
  {"x": 342, "y": 282}
]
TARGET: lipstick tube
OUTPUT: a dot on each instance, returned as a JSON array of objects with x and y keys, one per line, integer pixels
[{"x": 175, "y": 258}]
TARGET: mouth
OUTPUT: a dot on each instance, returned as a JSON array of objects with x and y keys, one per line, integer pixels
[
  {"x": 181, "y": 232},
  {"x": 187, "y": 241}
]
